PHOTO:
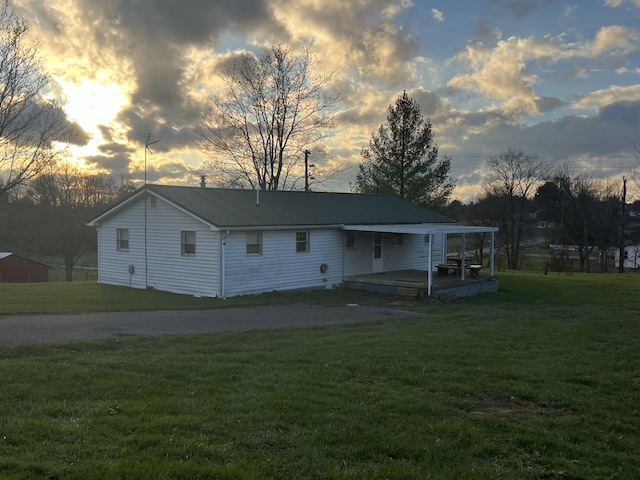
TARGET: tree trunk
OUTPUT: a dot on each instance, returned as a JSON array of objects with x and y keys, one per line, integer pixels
[{"x": 68, "y": 269}]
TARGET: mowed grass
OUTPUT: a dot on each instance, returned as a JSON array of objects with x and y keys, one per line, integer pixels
[{"x": 539, "y": 381}]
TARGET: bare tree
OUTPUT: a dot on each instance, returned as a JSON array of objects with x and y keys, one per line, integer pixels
[
  {"x": 512, "y": 179},
  {"x": 29, "y": 125},
  {"x": 66, "y": 198},
  {"x": 274, "y": 109}
]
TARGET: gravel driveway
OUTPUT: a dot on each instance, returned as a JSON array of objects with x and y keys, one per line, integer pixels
[{"x": 33, "y": 329}]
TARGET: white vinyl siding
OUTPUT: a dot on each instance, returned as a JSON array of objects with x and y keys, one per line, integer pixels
[
  {"x": 279, "y": 267},
  {"x": 198, "y": 274},
  {"x": 414, "y": 253},
  {"x": 351, "y": 239}
]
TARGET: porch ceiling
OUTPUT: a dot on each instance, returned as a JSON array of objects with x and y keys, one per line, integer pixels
[{"x": 421, "y": 228}]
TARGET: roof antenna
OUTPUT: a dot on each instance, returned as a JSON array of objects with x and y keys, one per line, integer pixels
[
  {"x": 146, "y": 265},
  {"x": 146, "y": 147}
]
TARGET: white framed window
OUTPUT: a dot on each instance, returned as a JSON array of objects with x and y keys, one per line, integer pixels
[
  {"x": 123, "y": 239},
  {"x": 398, "y": 239},
  {"x": 188, "y": 243},
  {"x": 302, "y": 241},
  {"x": 254, "y": 243},
  {"x": 351, "y": 239}
]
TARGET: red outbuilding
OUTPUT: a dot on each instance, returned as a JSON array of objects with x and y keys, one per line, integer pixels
[{"x": 16, "y": 269}]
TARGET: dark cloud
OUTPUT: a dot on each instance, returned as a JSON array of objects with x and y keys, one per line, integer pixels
[
  {"x": 110, "y": 148},
  {"x": 486, "y": 33},
  {"x": 520, "y": 8},
  {"x": 606, "y": 133},
  {"x": 431, "y": 103},
  {"x": 548, "y": 104},
  {"x": 116, "y": 164},
  {"x": 158, "y": 173}
]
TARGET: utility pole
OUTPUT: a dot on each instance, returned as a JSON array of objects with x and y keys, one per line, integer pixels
[
  {"x": 306, "y": 170},
  {"x": 623, "y": 225}
]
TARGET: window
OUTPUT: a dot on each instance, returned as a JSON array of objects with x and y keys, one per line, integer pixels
[
  {"x": 427, "y": 238},
  {"x": 302, "y": 241},
  {"x": 188, "y": 243},
  {"x": 351, "y": 239},
  {"x": 254, "y": 243},
  {"x": 123, "y": 239},
  {"x": 398, "y": 239}
]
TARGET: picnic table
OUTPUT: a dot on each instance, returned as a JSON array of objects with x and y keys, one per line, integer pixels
[{"x": 445, "y": 268}]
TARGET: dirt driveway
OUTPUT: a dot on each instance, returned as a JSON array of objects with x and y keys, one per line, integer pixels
[{"x": 33, "y": 329}]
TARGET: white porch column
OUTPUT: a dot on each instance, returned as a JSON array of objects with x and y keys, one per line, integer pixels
[
  {"x": 491, "y": 251},
  {"x": 430, "y": 267},
  {"x": 463, "y": 255}
]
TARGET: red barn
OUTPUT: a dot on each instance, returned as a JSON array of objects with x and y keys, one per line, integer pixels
[{"x": 16, "y": 269}]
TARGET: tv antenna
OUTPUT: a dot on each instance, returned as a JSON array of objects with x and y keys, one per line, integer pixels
[{"x": 147, "y": 144}]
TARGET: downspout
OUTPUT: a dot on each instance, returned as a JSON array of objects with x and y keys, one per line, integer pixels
[{"x": 223, "y": 265}]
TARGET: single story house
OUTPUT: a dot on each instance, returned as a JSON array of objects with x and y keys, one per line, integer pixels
[
  {"x": 226, "y": 242},
  {"x": 17, "y": 269}
]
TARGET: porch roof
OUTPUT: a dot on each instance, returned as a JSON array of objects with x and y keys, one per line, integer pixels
[{"x": 421, "y": 228}]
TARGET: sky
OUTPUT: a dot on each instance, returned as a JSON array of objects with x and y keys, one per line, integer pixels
[{"x": 558, "y": 79}]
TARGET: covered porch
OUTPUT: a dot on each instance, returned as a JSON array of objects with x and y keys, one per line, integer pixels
[
  {"x": 435, "y": 273},
  {"x": 415, "y": 284}
]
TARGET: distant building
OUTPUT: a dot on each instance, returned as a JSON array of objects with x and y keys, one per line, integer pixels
[
  {"x": 17, "y": 269},
  {"x": 631, "y": 256}
]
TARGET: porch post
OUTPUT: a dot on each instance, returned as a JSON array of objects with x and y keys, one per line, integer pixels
[
  {"x": 463, "y": 255},
  {"x": 430, "y": 266},
  {"x": 491, "y": 250}
]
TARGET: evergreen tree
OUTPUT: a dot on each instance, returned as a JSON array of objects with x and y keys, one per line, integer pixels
[{"x": 402, "y": 159}]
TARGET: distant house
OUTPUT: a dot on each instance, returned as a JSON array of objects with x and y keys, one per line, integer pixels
[
  {"x": 227, "y": 242},
  {"x": 631, "y": 257},
  {"x": 17, "y": 269}
]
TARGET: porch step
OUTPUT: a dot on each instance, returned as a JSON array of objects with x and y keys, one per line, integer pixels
[{"x": 411, "y": 293}]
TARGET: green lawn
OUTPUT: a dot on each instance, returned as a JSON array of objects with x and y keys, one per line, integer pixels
[{"x": 539, "y": 381}]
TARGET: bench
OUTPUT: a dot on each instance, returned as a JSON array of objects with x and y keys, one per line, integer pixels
[
  {"x": 474, "y": 270},
  {"x": 445, "y": 268}
]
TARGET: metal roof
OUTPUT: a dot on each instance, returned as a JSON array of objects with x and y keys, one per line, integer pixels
[{"x": 234, "y": 208}]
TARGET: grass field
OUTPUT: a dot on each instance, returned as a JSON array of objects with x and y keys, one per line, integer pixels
[{"x": 539, "y": 381}]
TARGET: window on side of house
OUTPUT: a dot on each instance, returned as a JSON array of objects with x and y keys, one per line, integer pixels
[
  {"x": 122, "y": 239},
  {"x": 302, "y": 241},
  {"x": 254, "y": 243},
  {"x": 351, "y": 239},
  {"x": 188, "y": 243},
  {"x": 398, "y": 239}
]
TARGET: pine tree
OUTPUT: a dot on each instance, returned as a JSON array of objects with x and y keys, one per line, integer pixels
[{"x": 402, "y": 159}]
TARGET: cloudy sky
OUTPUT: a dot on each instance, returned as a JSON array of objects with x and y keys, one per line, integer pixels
[{"x": 560, "y": 79}]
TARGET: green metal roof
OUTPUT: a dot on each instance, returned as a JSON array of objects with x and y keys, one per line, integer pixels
[{"x": 267, "y": 208}]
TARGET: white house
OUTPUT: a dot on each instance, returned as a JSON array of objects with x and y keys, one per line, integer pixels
[
  {"x": 227, "y": 242},
  {"x": 631, "y": 256}
]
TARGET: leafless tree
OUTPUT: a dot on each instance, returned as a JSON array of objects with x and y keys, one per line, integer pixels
[
  {"x": 30, "y": 126},
  {"x": 511, "y": 181},
  {"x": 66, "y": 198},
  {"x": 274, "y": 109}
]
